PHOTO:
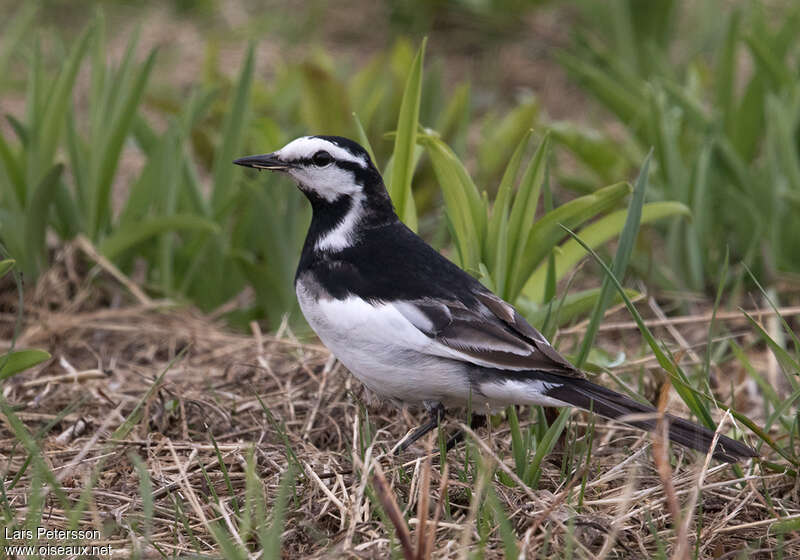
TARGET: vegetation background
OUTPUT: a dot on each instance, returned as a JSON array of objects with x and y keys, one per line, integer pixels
[{"x": 160, "y": 386}]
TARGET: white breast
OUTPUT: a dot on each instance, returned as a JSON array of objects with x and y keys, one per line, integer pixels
[{"x": 383, "y": 349}]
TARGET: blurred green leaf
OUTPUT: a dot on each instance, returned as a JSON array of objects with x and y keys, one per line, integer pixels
[
  {"x": 113, "y": 138},
  {"x": 574, "y": 305},
  {"x": 547, "y": 232},
  {"x": 496, "y": 246},
  {"x": 14, "y": 31},
  {"x": 606, "y": 228},
  {"x": 36, "y": 218},
  {"x": 505, "y": 135},
  {"x": 624, "y": 249},
  {"x": 5, "y": 266},
  {"x": 232, "y": 135},
  {"x": 52, "y": 121},
  {"x": 403, "y": 156},
  {"x": 521, "y": 218},
  {"x": 126, "y": 237},
  {"x": 20, "y": 360},
  {"x": 463, "y": 203}
]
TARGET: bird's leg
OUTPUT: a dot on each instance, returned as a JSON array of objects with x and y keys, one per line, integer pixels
[
  {"x": 475, "y": 421},
  {"x": 436, "y": 416}
]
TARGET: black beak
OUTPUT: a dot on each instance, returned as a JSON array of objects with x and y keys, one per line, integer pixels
[{"x": 264, "y": 161}]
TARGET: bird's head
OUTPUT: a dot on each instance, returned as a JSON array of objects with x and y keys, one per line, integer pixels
[
  {"x": 338, "y": 177},
  {"x": 325, "y": 167}
]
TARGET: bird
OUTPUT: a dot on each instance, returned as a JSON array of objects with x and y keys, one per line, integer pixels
[{"x": 414, "y": 327}]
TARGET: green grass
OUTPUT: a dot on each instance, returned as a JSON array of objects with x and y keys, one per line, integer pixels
[
  {"x": 202, "y": 240},
  {"x": 723, "y": 134}
]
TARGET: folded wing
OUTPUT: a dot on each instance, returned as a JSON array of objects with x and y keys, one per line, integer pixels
[{"x": 491, "y": 334}]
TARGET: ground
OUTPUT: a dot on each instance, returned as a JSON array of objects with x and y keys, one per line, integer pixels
[{"x": 110, "y": 347}]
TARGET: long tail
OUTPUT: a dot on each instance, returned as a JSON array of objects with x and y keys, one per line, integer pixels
[{"x": 610, "y": 404}]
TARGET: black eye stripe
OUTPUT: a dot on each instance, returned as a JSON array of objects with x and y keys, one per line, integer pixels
[{"x": 342, "y": 164}]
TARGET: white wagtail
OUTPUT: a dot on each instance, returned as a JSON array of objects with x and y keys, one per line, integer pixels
[{"x": 414, "y": 327}]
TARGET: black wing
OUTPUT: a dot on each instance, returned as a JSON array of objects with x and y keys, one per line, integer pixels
[{"x": 491, "y": 333}]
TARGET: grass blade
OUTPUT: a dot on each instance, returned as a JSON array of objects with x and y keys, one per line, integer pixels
[
  {"x": 14, "y": 32},
  {"x": 547, "y": 232},
  {"x": 544, "y": 447},
  {"x": 58, "y": 102},
  {"x": 403, "y": 156},
  {"x": 130, "y": 235},
  {"x": 232, "y": 135},
  {"x": 500, "y": 209},
  {"x": 624, "y": 250},
  {"x": 523, "y": 211},
  {"x": 36, "y": 219},
  {"x": 363, "y": 139},
  {"x": 109, "y": 155},
  {"x": 687, "y": 393},
  {"x": 595, "y": 234}
]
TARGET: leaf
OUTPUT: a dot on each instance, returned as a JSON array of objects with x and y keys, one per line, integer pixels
[
  {"x": 324, "y": 99},
  {"x": 109, "y": 156},
  {"x": 15, "y": 31},
  {"x": 502, "y": 137},
  {"x": 547, "y": 231},
  {"x": 573, "y": 306},
  {"x": 725, "y": 78},
  {"x": 629, "y": 105},
  {"x": 782, "y": 526},
  {"x": 782, "y": 126},
  {"x": 20, "y": 360},
  {"x": 596, "y": 150},
  {"x": 545, "y": 446},
  {"x": 624, "y": 249},
  {"x": 606, "y": 228},
  {"x": 232, "y": 135},
  {"x": 790, "y": 366},
  {"x": 79, "y": 164},
  {"x": 507, "y": 533},
  {"x": 769, "y": 61},
  {"x": 499, "y": 219},
  {"x": 678, "y": 378},
  {"x": 463, "y": 204},
  {"x": 455, "y": 116},
  {"x": 5, "y": 266},
  {"x": 270, "y": 538},
  {"x": 130, "y": 235},
  {"x": 58, "y": 102},
  {"x": 363, "y": 139},
  {"x": 13, "y": 172},
  {"x": 36, "y": 220},
  {"x": 403, "y": 155}
]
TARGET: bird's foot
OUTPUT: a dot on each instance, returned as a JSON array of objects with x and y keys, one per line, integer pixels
[
  {"x": 437, "y": 413},
  {"x": 476, "y": 421}
]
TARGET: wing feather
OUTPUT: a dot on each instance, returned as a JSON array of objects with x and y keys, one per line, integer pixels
[{"x": 491, "y": 334}]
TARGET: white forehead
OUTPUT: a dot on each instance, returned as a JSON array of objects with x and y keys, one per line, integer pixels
[{"x": 307, "y": 146}]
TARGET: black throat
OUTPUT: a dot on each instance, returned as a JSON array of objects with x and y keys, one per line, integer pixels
[{"x": 374, "y": 209}]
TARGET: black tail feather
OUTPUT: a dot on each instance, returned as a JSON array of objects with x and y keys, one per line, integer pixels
[{"x": 610, "y": 404}]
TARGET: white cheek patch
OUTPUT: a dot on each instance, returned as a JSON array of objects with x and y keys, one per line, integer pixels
[
  {"x": 328, "y": 182},
  {"x": 306, "y": 146}
]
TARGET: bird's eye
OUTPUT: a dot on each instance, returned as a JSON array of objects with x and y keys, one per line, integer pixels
[{"x": 322, "y": 158}]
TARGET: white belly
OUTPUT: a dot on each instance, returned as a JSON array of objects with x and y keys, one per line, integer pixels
[{"x": 384, "y": 350}]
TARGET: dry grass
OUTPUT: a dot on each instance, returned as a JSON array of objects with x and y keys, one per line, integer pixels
[{"x": 108, "y": 351}]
